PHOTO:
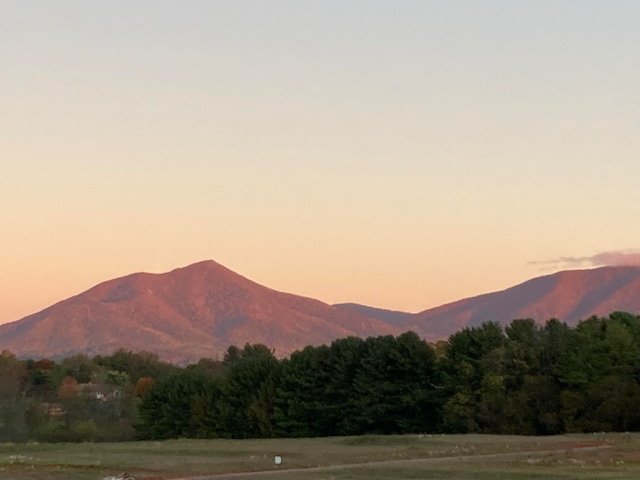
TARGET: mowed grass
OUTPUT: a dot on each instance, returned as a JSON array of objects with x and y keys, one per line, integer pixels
[{"x": 456, "y": 457}]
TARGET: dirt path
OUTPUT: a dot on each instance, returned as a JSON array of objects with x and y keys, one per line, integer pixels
[{"x": 387, "y": 463}]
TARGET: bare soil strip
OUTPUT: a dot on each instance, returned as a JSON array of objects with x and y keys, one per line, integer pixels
[{"x": 387, "y": 463}]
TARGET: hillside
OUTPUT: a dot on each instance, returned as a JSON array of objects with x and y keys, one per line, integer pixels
[
  {"x": 568, "y": 296},
  {"x": 392, "y": 317},
  {"x": 183, "y": 315},
  {"x": 199, "y": 310}
]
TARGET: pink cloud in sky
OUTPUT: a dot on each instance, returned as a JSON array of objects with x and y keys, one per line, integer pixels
[{"x": 610, "y": 258}]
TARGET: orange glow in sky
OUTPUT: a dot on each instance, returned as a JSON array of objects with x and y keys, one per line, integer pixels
[{"x": 396, "y": 154}]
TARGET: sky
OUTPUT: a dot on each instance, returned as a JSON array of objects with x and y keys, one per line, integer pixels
[{"x": 400, "y": 154}]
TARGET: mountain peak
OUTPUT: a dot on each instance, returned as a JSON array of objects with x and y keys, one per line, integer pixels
[
  {"x": 201, "y": 265},
  {"x": 201, "y": 309},
  {"x": 183, "y": 315},
  {"x": 569, "y": 296}
]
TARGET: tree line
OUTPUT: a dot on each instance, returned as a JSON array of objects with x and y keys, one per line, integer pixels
[{"x": 523, "y": 378}]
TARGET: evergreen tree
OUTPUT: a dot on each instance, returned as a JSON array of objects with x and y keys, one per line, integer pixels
[
  {"x": 248, "y": 392},
  {"x": 171, "y": 406}
]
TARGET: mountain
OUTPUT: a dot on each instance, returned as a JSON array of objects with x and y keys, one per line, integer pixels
[
  {"x": 183, "y": 315},
  {"x": 392, "y": 317},
  {"x": 199, "y": 310},
  {"x": 568, "y": 296}
]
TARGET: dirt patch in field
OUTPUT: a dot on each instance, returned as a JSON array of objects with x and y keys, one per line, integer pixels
[
  {"x": 585, "y": 453},
  {"x": 573, "y": 445}
]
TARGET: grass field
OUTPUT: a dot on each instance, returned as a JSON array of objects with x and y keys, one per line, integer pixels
[{"x": 457, "y": 457}]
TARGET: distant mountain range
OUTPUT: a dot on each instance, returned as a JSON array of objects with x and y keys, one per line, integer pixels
[
  {"x": 569, "y": 296},
  {"x": 199, "y": 310}
]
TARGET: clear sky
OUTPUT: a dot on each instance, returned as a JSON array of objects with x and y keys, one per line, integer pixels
[{"x": 400, "y": 154}]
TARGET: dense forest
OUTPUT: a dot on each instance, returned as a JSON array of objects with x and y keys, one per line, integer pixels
[{"x": 520, "y": 379}]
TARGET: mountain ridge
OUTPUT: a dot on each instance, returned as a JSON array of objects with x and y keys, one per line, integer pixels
[
  {"x": 200, "y": 309},
  {"x": 193, "y": 311},
  {"x": 569, "y": 296}
]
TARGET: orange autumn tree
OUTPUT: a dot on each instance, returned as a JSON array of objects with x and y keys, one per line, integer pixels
[
  {"x": 68, "y": 388},
  {"x": 142, "y": 385}
]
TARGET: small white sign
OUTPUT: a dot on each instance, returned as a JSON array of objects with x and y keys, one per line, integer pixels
[{"x": 277, "y": 459}]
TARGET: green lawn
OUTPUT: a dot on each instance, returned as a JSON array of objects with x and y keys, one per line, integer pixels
[{"x": 455, "y": 457}]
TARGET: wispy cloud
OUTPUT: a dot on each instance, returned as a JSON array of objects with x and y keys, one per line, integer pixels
[{"x": 610, "y": 258}]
